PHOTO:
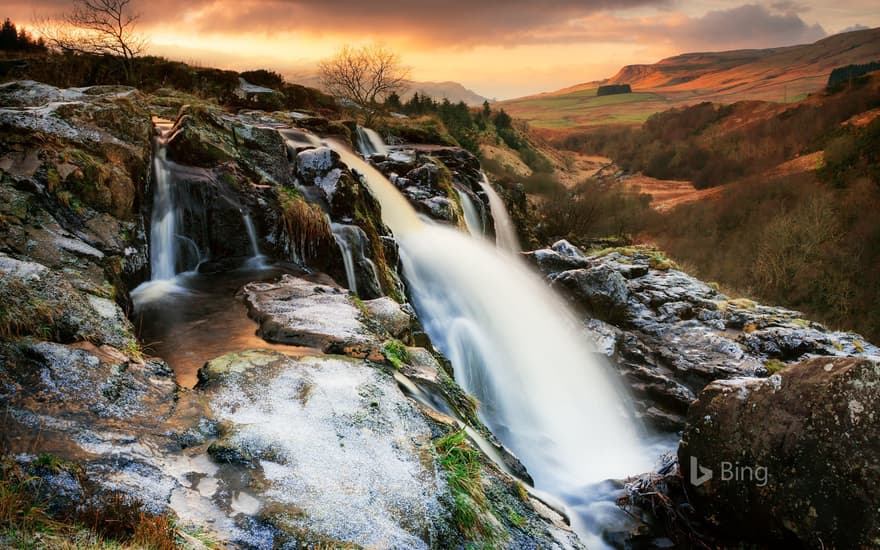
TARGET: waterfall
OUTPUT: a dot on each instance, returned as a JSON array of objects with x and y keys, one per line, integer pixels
[
  {"x": 369, "y": 143},
  {"x": 505, "y": 231},
  {"x": 514, "y": 346},
  {"x": 353, "y": 242},
  {"x": 163, "y": 224},
  {"x": 472, "y": 217},
  {"x": 257, "y": 260}
]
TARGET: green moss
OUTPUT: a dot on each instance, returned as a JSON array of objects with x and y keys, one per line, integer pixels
[
  {"x": 774, "y": 365},
  {"x": 656, "y": 258},
  {"x": 515, "y": 518},
  {"x": 395, "y": 353}
]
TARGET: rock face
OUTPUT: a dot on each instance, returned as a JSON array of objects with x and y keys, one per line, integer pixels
[
  {"x": 302, "y": 313},
  {"x": 335, "y": 446},
  {"x": 431, "y": 179},
  {"x": 671, "y": 334},
  {"x": 794, "y": 456}
]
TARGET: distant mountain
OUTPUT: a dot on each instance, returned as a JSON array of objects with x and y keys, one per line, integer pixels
[
  {"x": 453, "y": 91},
  {"x": 773, "y": 74}
]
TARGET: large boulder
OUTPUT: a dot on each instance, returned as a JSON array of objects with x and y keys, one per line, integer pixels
[{"x": 795, "y": 457}]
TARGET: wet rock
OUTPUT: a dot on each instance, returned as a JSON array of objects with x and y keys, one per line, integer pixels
[
  {"x": 200, "y": 138},
  {"x": 390, "y": 316},
  {"x": 93, "y": 405},
  {"x": 42, "y": 302},
  {"x": 671, "y": 334},
  {"x": 601, "y": 290},
  {"x": 793, "y": 456},
  {"x": 299, "y": 312}
]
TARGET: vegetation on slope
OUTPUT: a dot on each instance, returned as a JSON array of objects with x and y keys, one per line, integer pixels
[
  {"x": 711, "y": 144},
  {"x": 807, "y": 240}
]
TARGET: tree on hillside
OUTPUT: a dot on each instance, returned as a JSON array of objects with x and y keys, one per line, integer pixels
[
  {"x": 14, "y": 39},
  {"x": 365, "y": 76},
  {"x": 98, "y": 27}
]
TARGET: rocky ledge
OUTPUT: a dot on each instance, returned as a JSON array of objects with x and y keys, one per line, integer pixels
[{"x": 671, "y": 334}]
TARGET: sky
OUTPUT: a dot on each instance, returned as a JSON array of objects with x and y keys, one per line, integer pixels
[{"x": 498, "y": 48}]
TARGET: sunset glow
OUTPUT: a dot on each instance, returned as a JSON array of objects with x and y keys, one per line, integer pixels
[{"x": 498, "y": 49}]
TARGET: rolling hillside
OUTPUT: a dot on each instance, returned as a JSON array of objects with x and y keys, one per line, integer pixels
[{"x": 776, "y": 74}]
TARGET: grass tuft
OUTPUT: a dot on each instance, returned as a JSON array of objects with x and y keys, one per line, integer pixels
[{"x": 462, "y": 466}]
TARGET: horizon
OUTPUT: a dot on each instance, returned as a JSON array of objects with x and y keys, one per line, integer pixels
[{"x": 498, "y": 52}]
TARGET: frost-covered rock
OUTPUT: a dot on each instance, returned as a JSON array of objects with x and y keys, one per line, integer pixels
[
  {"x": 793, "y": 457},
  {"x": 299, "y": 312},
  {"x": 340, "y": 451}
]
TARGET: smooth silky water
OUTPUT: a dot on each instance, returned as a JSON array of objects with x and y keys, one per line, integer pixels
[{"x": 518, "y": 349}]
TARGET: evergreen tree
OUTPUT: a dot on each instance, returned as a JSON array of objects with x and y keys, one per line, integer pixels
[
  {"x": 9, "y": 36},
  {"x": 392, "y": 102}
]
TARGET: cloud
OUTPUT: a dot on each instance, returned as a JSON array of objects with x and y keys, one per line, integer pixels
[
  {"x": 452, "y": 22},
  {"x": 750, "y": 26},
  {"x": 856, "y": 27},
  {"x": 448, "y": 23}
]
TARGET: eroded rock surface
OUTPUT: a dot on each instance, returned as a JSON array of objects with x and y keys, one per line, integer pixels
[
  {"x": 794, "y": 456},
  {"x": 671, "y": 334}
]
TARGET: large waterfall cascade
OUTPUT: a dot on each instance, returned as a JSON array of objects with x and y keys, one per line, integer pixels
[
  {"x": 515, "y": 347},
  {"x": 511, "y": 340}
]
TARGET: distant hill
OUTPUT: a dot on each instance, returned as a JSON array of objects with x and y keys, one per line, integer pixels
[
  {"x": 774, "y": 74},
  {"x": 453, "y": 91}
]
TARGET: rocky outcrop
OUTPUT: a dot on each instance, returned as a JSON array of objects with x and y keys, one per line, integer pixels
[
  {"x": 671, "y": 334},
  {"x": 303, "y": 313},
  {"x": 431, "y": 178},
  {"x": 793, "y": 458}
]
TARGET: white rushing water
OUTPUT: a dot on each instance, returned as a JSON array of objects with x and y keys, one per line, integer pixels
[
  {"x": 505, "y": 231},
  {"x": 163, "y": 225},
  {"x": 257, "y": 260},
  {"x": 472, "y": 217},
  {"x": 370, "y": 143},
  {"x": 515, "y": 346}
]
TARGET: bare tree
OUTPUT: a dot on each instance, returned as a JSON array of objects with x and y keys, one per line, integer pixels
[
  {"x": 364, "y": 75},
  {"x": 97, "y": 27}
]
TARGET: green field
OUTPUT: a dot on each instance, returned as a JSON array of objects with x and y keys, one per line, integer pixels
[{"x": 584, "y": 108}]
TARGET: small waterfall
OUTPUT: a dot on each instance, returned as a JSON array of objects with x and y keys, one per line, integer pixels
[
  {"x": 347, "y": 258},
  {"x": 515, "y": 347},
  {"x": 472, "y": 218},
  {"x": 352, "y": 242},
  {"x": 258, "y": 260},
  {"x": 505, "y": 231},
  {"x": 370, "y": 143},
  {"x": 163, "y": 225}
]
